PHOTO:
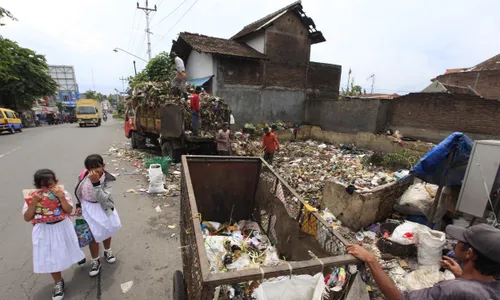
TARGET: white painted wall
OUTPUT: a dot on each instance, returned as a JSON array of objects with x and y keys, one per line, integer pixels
[
  {"x": 257, "y": 42},
  {"x": 435, "y": 87},
  {"x": 199, "y": 65}
]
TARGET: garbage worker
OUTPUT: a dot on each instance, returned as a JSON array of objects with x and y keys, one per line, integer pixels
[
  {"x": 224, "y": 140},
  {"x": 195, "y": 109},
  {"x": 179, "y": 81},
  {"x": 478, "y": 249},
  {"x": 270, "y": 144}
]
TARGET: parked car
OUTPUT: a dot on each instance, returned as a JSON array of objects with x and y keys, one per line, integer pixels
[{"x": 10, "y": 121}]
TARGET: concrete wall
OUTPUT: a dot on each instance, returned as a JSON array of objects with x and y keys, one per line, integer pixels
[
  {"x": 252, "y": 104},
  {"x": 199, "y": 65},
  {"x": 346, "y": 115},
  {"x": 257, "y": 41}
]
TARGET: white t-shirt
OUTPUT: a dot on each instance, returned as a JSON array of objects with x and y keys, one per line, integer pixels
[{"x": 179, "y": 65}]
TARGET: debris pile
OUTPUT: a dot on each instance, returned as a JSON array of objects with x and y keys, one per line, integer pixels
[
  {"x": 213, "y": 110},
  {"x": 306, "y": 165},
  {"x": 237, "y": 247}
]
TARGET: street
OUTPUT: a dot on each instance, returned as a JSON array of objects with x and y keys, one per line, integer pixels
[{"x": 146, "y": 255}]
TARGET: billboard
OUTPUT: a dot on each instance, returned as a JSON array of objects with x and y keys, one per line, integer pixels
[{"x": 68, "y": 88}]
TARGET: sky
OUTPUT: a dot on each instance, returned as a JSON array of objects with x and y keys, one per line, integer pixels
[{"x": 404, "y": 43}]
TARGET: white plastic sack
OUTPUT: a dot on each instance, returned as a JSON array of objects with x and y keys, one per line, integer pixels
[
  {"x": 425, "y": 278},
  {"x": 430, "y": 244},
  {"x": 419, "y": 196},
  {"x": 231, "y": 120},
  {"x": 299, "y": 287},
  {"x": 155, "y": 179},
  {"x": 399, "y": 232}
]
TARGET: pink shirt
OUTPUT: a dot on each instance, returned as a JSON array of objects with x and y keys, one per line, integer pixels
[{"x": 87, "y": 189}]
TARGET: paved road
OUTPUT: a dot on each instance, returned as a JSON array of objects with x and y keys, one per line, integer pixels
[{"x": 146, "y": 252}]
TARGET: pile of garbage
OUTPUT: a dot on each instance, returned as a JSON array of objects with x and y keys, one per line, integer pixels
[
  {"x": 213, "y": 110},
  {"x": 237, "y": 247},
  {"x": 306, "y": 165}
]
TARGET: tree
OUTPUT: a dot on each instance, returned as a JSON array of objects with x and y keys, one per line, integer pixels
[
  {"x": 24, "y": 76},
  {"x": 159, "y": 68},
  {"x": 60, "y": 106},
  {"x": 5, "y": 14},
  {"x": 352, "y": 90},
  {"x": 91, "y": 94}
]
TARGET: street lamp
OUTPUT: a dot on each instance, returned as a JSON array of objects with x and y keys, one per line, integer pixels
[{"x": 120, "y": 49}]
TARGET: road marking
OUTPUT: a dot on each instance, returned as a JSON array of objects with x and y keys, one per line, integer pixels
[{"x": 2, "y": 155}]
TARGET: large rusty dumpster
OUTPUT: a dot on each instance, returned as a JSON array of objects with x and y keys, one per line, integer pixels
[{"x": 228, "y": 189}]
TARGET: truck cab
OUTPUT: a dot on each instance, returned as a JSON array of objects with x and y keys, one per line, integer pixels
[{"x": 87, "y": 112}]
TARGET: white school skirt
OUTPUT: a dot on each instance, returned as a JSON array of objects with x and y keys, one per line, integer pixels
[
  {"x": 102, "y": 226},
  {"x": 55, "y": 247}
]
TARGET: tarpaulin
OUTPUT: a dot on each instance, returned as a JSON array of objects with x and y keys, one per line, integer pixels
[
  {"x": 432, "y": 165},
  {"x": 200, "y": 81}
]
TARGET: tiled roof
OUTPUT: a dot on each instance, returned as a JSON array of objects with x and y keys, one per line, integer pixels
[
  {"x": 315, "y": 36},
  {"x": 208, "y": 44},
  {"x": 458, "y": 70},
  {"x": 488, "y": 65}
]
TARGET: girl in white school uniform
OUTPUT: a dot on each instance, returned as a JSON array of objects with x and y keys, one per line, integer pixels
[
  {"x": 55, "y": 243},
  {"x": 95, "y": 203}
]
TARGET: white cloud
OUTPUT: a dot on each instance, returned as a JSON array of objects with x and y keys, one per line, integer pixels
[{"x": 404, "y": 43}]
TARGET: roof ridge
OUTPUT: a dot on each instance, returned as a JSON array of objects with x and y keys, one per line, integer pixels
[{"x": 275, "y": 13}]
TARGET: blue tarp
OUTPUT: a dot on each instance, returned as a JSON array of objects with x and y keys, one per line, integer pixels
[
  {"x": 431, "y": 167},
  {"x": 200, "y": 81}
]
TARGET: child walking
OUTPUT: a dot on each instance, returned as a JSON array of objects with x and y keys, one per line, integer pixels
[
  {"x": 55, "y": 243},
  {"x": 95, "y": 203}
]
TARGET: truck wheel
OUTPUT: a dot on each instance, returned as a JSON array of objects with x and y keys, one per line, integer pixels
[
  {"x": 179, "y": 288},
  {"x": 12, "y": 130},
  {"x": 166, "y": 149},
  {"x": 81, "y": 125}
]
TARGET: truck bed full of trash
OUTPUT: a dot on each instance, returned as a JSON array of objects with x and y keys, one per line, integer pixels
[{"x": 213, "y": 110}]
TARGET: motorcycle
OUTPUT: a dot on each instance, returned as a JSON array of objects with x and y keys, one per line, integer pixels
[{"x": 104, "y": 117}]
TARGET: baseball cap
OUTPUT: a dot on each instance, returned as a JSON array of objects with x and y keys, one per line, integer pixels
[{"x": 483, "y": 238}]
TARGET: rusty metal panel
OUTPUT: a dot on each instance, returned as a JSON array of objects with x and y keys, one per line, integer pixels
[{"x": 172, "y": 121}]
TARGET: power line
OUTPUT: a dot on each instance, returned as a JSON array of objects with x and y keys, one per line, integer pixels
[
  {"x": 170, "y": 13},
  {"x": 138, "y": 50},
  {"x": 132, "y": 33},
  {"x": 135, "y": 31},
  {"x": 179, "y": 20}
]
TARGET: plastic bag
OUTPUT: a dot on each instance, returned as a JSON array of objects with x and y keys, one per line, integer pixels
[
  {"x": 83, "y": 233},
  {"x": 419, "y": 196},
  {"x": 155, "y": 179},
  {"x": 272, "y": 258},
  {"x": 401, "y": 236},
  {"x": 430, "y": 247},
  {"x": 424, "y": 278},
  {"x": 299, "y": 287},
  {"x": 242, "y": 263}
]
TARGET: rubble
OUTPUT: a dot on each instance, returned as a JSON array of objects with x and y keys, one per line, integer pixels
[{"x": 213, "y": 110}]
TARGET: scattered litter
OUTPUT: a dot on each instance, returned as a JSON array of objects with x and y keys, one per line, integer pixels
[
  {"x": 158, "y": 209},
  {"x": 112, "y": 149},
  {"x": 126, "y": 286},
  {"x": 137, "y": 164},
  {"x": 131, "y": 191},
  {"x": 171, "y": 226},
  {"x": 173, "y": 234}
]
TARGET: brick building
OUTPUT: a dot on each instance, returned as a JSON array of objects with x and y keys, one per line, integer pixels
[
  {"x": 483, "y": 78},
  {"x": 264, "y": 71}
]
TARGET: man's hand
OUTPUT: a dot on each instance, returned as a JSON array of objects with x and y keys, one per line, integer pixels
[
  {"x": 93, "y": 176},
  {"x": 360, "y": 253},
  {"x": 78, "y": 212},
  {"x": 450, "y": 264}
]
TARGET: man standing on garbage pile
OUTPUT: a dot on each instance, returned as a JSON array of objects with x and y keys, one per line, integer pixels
[
  {"x": 179, "y": 81},
  {"x": 478, "y": 249},
  {"x": 195, "y": 109},
  {"x": 269, "y": 144},
  {"x": 224, "y": 140}
]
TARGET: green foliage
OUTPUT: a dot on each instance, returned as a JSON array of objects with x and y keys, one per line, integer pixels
[
  {"x": 394, "y": 160},
  {"x": 5, "y": 14},
  {"x": 120, "y": 108},
  {"x": 90, "y": 94},
  {"x": 60, "y": 106},
  {"x": 159, "y": 68},
  {"x": 352, "y": 90},
  {"x": 24, "y": 76}
]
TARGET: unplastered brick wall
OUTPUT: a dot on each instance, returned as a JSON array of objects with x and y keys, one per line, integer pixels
[
  {"x": 486, "y": 83},
  {"x": 323, "y": 81},
  {"x": 446, "y": 112}
]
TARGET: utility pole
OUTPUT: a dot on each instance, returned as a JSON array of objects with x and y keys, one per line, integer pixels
[
  {"x": 135, "y": 68},
  {"x": 147, "y": 10},
  {"x": 373, "y": 81},
  {"x": 123, "y": 83}
]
